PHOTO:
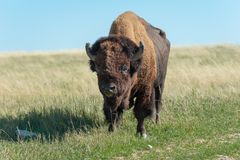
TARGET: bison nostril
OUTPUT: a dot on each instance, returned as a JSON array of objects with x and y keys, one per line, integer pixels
[{"x": 112, "y": 87}]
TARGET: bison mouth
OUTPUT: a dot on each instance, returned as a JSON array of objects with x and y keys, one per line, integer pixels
[{"x": 109, "y": 94}]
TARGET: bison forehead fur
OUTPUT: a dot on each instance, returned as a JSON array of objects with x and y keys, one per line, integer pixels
[
  {"x": 133, "y": 73},
  {"x": 124, "y": 44}
]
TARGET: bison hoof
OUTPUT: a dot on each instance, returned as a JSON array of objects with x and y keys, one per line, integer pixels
[
  {"x": 111, "y": 128},
  {"x": 142, "y": 135}
]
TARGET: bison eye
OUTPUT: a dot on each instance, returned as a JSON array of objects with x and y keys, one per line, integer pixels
[{"x": 123, "y": 68}]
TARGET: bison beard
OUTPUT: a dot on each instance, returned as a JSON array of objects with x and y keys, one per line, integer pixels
[{"x": 130, "y": 75}]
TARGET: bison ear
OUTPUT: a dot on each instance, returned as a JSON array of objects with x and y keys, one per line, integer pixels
[
  {"x": 138, "y": 52},
  {"x": 89, "y": 52}
]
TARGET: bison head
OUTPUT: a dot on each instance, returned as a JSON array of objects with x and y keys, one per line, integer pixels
[{"x": 115, "y": 59}]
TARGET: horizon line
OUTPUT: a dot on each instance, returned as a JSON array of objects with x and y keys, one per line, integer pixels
[{"x": 80, "y": 50}]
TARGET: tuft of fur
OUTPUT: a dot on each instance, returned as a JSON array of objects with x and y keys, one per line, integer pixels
[{"x": 127, "y": 44}]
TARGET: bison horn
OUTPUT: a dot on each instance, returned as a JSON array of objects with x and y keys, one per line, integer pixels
[
  {"x": 138, "y": 54},
  {"x": 88, "y": 51}
]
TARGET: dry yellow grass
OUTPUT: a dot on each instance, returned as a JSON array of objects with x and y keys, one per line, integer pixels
[{"x": 209, "y": 70}]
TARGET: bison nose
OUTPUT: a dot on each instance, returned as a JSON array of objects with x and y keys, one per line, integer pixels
[{"x": 109, "y": 90}]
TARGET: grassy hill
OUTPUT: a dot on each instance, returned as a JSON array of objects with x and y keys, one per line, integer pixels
[{"x": 56, "y": 96}]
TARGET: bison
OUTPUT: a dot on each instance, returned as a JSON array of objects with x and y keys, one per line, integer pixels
[{"x": 131, "y": 65}]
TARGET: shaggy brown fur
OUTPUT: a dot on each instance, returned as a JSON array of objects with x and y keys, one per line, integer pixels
[{"x": 136, "y": 82}]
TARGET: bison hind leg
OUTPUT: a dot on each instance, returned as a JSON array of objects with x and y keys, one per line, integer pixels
[{"x": 158, "y": 102}]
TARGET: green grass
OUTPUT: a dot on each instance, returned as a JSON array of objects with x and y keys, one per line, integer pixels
[{"x": 56, "y": 96}]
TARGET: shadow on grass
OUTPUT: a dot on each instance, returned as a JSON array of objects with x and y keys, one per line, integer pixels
[{"x": 49, "y": 124}]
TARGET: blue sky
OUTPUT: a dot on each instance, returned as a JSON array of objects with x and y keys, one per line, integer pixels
[{"x": 66, "y": 24}]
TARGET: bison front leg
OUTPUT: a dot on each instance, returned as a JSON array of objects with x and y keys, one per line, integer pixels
[
  {"x": 113, "y": 117},
  {"x": 144, "y": 107}
]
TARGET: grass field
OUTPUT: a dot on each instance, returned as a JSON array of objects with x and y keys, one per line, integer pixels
[{"x": 56, "y": 96}]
